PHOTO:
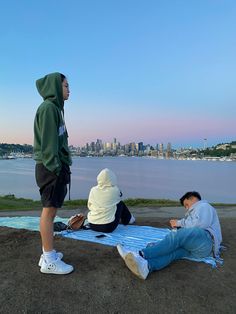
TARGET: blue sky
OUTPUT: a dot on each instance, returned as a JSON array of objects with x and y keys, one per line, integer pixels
[{"x": 152, "y": 71}]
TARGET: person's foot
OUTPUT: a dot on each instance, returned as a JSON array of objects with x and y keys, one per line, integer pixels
[
  {"x": 123, "y": 251},
  {"x": 137, "y": 264},
  {"x": 57, "y": 267},
  {"x": 58, "y": 255},
  {"x": 132, "y": 220}
]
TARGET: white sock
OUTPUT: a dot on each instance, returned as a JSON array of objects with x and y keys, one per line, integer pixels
[
  {"x": 132, "y": 220},
  {"x": 53, "y": 250},
  {"x": 50, "y": 256}
]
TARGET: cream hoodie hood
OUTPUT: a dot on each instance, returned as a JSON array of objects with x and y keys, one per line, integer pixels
[
  {"x": 103, "y": 198},
  {"x": 106, "y": 178}
]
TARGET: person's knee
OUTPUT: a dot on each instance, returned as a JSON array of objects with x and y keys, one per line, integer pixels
[{"x": 49, "y": 212}]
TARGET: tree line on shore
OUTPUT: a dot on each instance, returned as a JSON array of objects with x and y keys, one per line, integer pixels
[{"x": 6, "y": 149}]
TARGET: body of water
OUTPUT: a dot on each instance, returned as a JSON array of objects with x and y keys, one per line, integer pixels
[{"x": 137, "y": 177}]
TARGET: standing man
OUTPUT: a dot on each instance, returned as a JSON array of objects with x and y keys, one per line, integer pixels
[
  {"x": 53, "y": 161},
  {"x": 198, "y": 236}
]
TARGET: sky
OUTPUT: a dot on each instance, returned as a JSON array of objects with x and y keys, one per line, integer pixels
[{"x": 155, "y": 71}]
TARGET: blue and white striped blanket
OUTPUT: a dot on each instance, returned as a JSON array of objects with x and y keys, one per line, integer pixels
[{"x": 134, "y": 237}]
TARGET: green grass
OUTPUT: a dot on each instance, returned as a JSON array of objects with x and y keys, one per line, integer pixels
[
  {"x": 10, "y": 202},
  {"x": 150, "y": 202}
]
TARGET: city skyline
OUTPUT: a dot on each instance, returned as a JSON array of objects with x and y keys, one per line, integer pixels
[
  {"x": 117, "y": 143},
  {"x": 164, "y": 145},
  {"x": 107, "y": 143},
  {"x": 143, "y": 71}
]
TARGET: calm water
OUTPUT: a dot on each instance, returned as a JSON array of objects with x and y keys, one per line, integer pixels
[{"x": 137, "y": 177}]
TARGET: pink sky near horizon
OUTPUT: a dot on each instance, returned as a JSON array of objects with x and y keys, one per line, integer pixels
[{"x": 150, "y": 131}]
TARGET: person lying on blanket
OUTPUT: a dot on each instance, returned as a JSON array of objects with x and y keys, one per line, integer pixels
[
  {"x": 198, "y": 235},
  {"x": 106, "y": 209}
]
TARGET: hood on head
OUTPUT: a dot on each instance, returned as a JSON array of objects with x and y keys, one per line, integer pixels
[
  {"x": 50, "y": 87},
  {"x": 106, "y": 178}
]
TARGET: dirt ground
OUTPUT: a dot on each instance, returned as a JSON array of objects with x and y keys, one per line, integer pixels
[{"x": 101, "y": 283}]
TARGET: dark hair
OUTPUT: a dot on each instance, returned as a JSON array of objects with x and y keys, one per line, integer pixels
[
  {"x": 62, "y": 77},
  {"x": 188, "y": 195}
]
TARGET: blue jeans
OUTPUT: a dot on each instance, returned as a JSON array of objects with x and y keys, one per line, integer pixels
[{"x": 185, "y": 242}]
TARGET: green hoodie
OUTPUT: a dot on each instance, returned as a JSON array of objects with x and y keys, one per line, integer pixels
[{"x": 50, "y": 134}]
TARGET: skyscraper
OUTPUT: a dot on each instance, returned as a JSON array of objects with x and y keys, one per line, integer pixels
[
  {"x": 161, "y": 149},
  {"x": 168, "y": 150},
  {"x": 140, "y": 146}
]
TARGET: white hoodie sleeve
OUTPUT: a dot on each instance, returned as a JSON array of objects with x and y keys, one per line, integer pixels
[
  {"x": 200, "y": 215},
  {"x": 90, "y": 198}
]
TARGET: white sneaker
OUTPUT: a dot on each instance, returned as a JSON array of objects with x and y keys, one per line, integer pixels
[
  {"x": 132, "y": 220},
  {"x": 58, "y": 255},
  {"x": 57, "y": 267},
  {"x": 123, "y": 251},
  {"x": 137, "y": 264}
]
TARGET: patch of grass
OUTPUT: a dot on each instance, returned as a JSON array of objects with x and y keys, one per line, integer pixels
[
  {"x": 150, "y": 202},
  {"x": 14, "y": 203},
  {"x": 222, "y": 205},
  {"x": 75, "y": 203},
  {"x": 10, "y": 202}
]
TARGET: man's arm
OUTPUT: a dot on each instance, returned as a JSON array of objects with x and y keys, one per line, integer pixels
[
  {"x": 49, "y": 139},
  {"x": 200, "y": 217}
]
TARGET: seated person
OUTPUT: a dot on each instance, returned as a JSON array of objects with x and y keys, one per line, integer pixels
[
  {"x": 106, "y": 209},
  {"x": 198, "y": 236}
]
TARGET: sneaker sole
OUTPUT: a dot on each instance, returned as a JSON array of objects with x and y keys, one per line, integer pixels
[
  {"x": 40, "y": 262},
  {"x": 56, "y": 273},
  {"x": 132, "y": 265},
  {"x": 120, "y": 252}
]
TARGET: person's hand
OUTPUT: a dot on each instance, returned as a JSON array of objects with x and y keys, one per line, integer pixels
[{"x": 173, "y": 223}]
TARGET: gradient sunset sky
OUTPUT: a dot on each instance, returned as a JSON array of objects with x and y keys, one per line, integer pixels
[{"x": 151, "y": 70}]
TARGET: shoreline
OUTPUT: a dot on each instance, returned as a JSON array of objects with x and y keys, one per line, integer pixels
[{"x": 138, "y": 211}]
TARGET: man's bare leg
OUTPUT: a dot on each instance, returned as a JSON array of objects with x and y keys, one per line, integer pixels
[
  {"x": 51, "y": 264},
  {"x": 46, "y": 227}
]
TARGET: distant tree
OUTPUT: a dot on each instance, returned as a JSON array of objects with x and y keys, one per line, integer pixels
[{"x": 6, "y": 149}]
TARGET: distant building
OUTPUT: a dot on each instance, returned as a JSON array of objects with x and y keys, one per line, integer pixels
[
  {"x": 98, "y": 145},
  {"x": 140, "y": 147},
  {"x": 147, "y": 149},
  {"x": 168, "y": 150},
  {"x": 154, "y": 153},
  {"x": 133, "y": 148},
  {"x": 223, "y": 146},
  {"x": 107, "y": 146},
  {"x": 115, "y": 145},
  {"x": 92, "y": 146},
  {"x": 127, "y": 149},
  {"x": 161, "y": 150}
]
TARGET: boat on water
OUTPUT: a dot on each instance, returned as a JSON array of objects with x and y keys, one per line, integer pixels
[{"x": 11, "y": 157}]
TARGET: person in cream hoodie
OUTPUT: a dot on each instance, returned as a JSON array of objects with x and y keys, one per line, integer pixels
[{"x": 106, "y": 209}]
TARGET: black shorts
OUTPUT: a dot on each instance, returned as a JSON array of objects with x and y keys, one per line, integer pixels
[{"x": 52, "y": 188}]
